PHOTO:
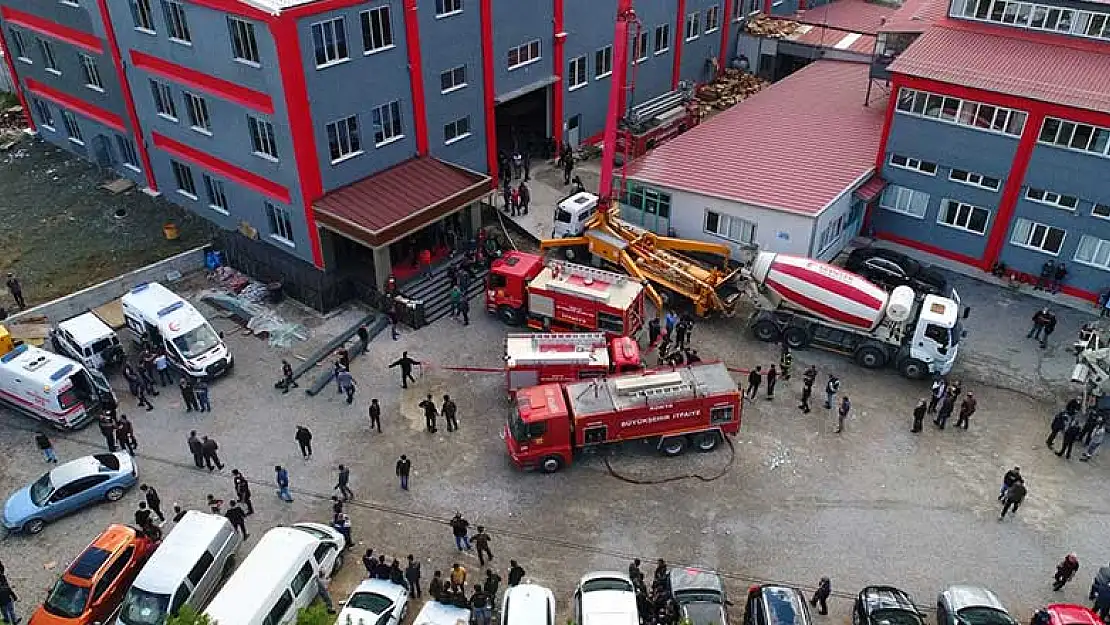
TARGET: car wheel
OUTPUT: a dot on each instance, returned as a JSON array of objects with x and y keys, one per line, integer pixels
[
  {"x": 34, "y": 526},
  {"x": 338, "y": 564},
  {"x": 114, "y": 493},
  {"x": 551, "y": 464},
  {"x": 870, "y": 357},
  {"x": 510, "y": 316},
  {"x": 913, "y": 369}
]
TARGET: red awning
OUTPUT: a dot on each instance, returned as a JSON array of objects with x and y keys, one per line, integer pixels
[{"x": 871, "y": 189}]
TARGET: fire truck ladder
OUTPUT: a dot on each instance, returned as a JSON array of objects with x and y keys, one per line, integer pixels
[
  {"x": 582, "y": 342},
  {"x": 561, "y": 269}
]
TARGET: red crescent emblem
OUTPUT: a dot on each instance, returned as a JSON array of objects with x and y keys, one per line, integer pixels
[{"x": 175, "y": 326}]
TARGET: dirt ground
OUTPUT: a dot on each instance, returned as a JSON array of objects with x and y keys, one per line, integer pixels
[{"x": 60, "y": 233}]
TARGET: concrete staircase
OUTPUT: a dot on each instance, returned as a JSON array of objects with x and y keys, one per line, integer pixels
[{"x": 435, "y": 291}]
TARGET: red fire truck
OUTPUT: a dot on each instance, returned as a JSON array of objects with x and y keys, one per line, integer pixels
[
  {"x": 532, "y": 359},
  {"x": 693, "y": 405},
  {"x": 563, "y": 297}
]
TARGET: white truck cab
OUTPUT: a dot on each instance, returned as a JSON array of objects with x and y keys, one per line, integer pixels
[
  {"x": 938, "y": 332},
  {"x": 88, "y": 340},
  {"x": 156, "y": 314},
  {"x": 571, "y": 215}
]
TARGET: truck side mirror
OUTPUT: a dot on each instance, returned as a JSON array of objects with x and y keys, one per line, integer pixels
[{"x": 967, "y": 311}]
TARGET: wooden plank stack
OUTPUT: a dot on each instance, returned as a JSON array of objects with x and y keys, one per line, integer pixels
[
  {"x": 771, "y": 27},
  {"x": 733, "y": 86}
]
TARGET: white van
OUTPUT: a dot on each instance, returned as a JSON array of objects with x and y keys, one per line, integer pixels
[
  {"x": 279, "y": 576},
  {"x": 185, "y": 570},
  {"x": 156, "y": 314},
  {"x": 528, "y": 604},
  {"x": 88, "y": 340},
  {"x": 605, "y": 598}
]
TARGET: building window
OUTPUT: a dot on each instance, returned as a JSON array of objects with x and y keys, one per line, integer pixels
[
  {"x": 1066, "y": 202},
  {"x": 961, "y": 112},
  {"x": 262, "y": 138},
  {"x": 163, "y": 100},
  {"x": 973, "y": 179},
  {"x": 177, "y": 25},
  {"x": 73, "y": 129},
  {"x": 730, "y": 227},
  {"x": 830, "y": 235},
  {"x": 456, "y": 130},
  {"x": 1083, "y": 137},
  {"x": 913, "y": 164},
  {"x": 1094, "y": 24},
  {"x": 640, "y": 48},
  {"x": 452, "y": 79},
  {"x": 183, "y": 176},
  {"x": 343, "y": 139},
  {"x": 1037, "y": 236},
  {"x": 904, "y": 200},
  {"x": 281, "y": 226},
  {"x": 142, "y": 15},
  {"x": 92, "y": 73},
  {"x": 578, "y": 77},
  {"x": 46, "y": 118},
  {"x": 377, "y": 30},
  {"x": 18, "y": 47},
  {"x": 603, "y": 62},
  {"x": 387, "y": 123},
  {"x": 329, "y": 39},
  {"x": 217, "y": 199},
  {"x": 963, "y": 216},
  {"x": 448, "y": 7},
  {"x": 127, "y": 152},
  {"x": 48, "y": 60},
  {"x": 244, "y": 47},
  {"x": 693, "y": 26},
  {"x": 1101, "y": 211},
  {"x": 1093, "y": 251},
  {"x": 524, "y": 54},
  {"x": 197, "y": 108},
  {"x": 662, "y": 38},
  {"x": 712, "y": 19}
]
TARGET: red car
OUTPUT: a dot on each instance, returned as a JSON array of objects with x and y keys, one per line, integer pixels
[{"x": 1071, "y": 614}]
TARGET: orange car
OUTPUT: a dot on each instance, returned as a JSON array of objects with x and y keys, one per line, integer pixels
[{"x": 92, "y": 588}]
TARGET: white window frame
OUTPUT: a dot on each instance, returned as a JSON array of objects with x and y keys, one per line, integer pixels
[
  {"x": 263, "y": 139},
  {"x": 917, "y": 103},
  {"x": 693, "y": 25},
  {"x": 1032, "y": 234},
  {"x": 244, "y": 44},
  {"x": 367, "y": 21},
  {"x": 142, "y": 16},
  {"x": 974, "y": 179},
  {"x": 662, "y": 34},
  {"x": 1051, "y": 198},
  {"x": 640, "y": 48},
  {"x": 459, "y": 136},
  {"x": 49, "y": 59},
  {"x": 20, "y": 46},
  {"x": 73, "y": 128},
  {"x": 46, "y": 116},
  {"x": 455, "y": 82},
  {"x": 447, "y": 8},
  {"x": 1066, "y": 132},
  {"x": 522, "y": 50},
  {"x": 217, "y": 196},
  {"x": 70, "y": 3},
  {"x": 163, "y": 99},
  {"x": 378, "y": 117},
  {"x": 348, "y": 138},
  {"x": 576, "y": 73},
  {"x": 962, "y": 216},
  {"x": 183, "y": 178},
  {"x": 712, "y": 25},
  {"x": 1034, "y": 16},
  {"x": 724, "y": 227},
  {"x": 1104, "y": 206},
  {"x": 92, "y": 73},
  {"x": 333, "y": 34},
  {"x": 281, "y": 223},
  {"x": 197, "y": 109},
  {"x": 1100, "y": 245},
  {"x": 177, "y": 22},
  {"x": 913, "y": 164},
  {"x": 605, "y": 56},
  {"x": 128, "y": 153},
  {"x": 905, "y": 200}
]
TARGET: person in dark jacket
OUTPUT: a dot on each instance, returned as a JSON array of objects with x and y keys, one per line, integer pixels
[
  {"x": 42, "y": 441},
  {"x": 1065, "y": 571},
  {"x": 435, "y": 587},
  {"x": 188, "y": 395},
  {"x": 242, "y": 490},
  {"x": 304, "y": 441},
  {"x": 287, "y": 380},
  {"x": 412, "y": 576},
  {"x": 967, "y": 408},
  {"x": 210, "y": 449},
  {"x": 107, "y": 424},
  {"x": 1049, "y": 327},
  {"x": 821, "y": 595},
  {"x": 755, "y": 378},
  {"x": 945, "y": 410},
  {"x": 1100, "y": 582},
  {"x": 1059, "y": 423},
  {"x": 919, "y": 415},
  {"x": 1015, "y": 494},
  {"x": 772, "y": 379},
  {"x": 430, "y": 413},
  {"x": 516, "y": 573},
  {"x": 1008, "y": 480},
  {"x": 238, "y": 518},
  {"x": 7, "y": 602},
  {"x": 491, "y": 583},
  {"x": 197, "y": 449},
  {"x": 1040, "y": 318},
  {"x": 403, "y": 468},
  {"x": 525, "y": 198},
  {"x": 1092, "y": 422},
  {"x": 460, "y": 527},
  {"x": 153, "y": 500},
  {"x": 1070, "y": 435},
  {"x": 405, "y": 364},
  {"x": 1102, "y": 602},
  {"x": 396, "y": 575}
]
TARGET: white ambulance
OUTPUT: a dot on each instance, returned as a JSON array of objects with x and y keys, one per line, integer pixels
[{"x": 156, "y": 314}]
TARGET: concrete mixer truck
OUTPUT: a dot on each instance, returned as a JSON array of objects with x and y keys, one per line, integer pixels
[{"x": 804, "y": 302}]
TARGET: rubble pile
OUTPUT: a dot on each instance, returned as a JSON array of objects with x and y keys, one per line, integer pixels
[
  {"x": 733, "y": 86},
  {"x": 771, "y": 27}
]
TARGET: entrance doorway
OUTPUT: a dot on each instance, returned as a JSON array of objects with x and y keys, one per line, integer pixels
[
  {"x": 574, "y": 126},
  {"x": 522, "y": 123},
  {"x": 442, "y": 238}
]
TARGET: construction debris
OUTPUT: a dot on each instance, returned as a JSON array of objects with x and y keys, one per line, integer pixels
[
  {"x": 733, "y": 86},
  {"x": 117, "y": 186},
  {"x": 771, "y": 27}
]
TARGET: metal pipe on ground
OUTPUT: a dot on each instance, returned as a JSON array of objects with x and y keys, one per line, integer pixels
[
  {"x": 329, "y": 347},
  {"x": 356, "y": 350}
]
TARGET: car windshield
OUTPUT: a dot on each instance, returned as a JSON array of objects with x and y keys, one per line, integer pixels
[
  {"x": 517, "y": 428},
  {"x": 894, "y": 617},
  {"x": 312, "y": 531},
  {"x": 606, "y": 583},
  {"x": 699, "y": 595},
  {"x": 196, "y": 341},
  {"x": 562, "y": 216},
  {"x": 369, "y": 601},
  {"x": 41, "y": 490},
  {"x": 144, "y": 608},
  {"x": 984, "y": 616},
  {"x": 101, "y": 345},
  {"x": 66, "y": 600}
]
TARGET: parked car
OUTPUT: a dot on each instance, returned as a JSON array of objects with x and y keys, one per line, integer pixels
[
  {"x": 376, "y": 602},
  {"x": 1071, "y": 614},
  {"x": 69, "y": 487},
  {"x": 971, "y": 605},
  {"x": 93, "y": 585},
  {"x": 770, "y": 604},
  {"x": 885, "y": 605},
  {"x": 605, "y": 597},
  {"x": 527, "y": 604},
  {"x": 890, "y": 269},
  {"x": 700, "y": 595},
  {"x": 331, "y": 551}
]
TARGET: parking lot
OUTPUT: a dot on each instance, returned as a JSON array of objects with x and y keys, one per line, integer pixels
[{"x": 875, "y": 504}]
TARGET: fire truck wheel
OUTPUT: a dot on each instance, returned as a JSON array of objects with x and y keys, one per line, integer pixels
[
  {"x": 551, "y": 464},
  {"x": 766, "y": 331},
  {"x": 673, "y": 446},
  {"x": 706, "y": 441},
  {"x": 510, "y": 316}
]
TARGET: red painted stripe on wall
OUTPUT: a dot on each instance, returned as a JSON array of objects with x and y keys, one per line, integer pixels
[
  {"x": 726, "y": 23},
  {"x": 679, "y": 38},
  {"x": 927, "y": 248},
  {"x": 218, "y": 87},
  {"x": 223, "y": 168},
  {"x": 1007, "y": 202},
  {"x": 65, "y": 100},
  {"x": 72, "y": 36},
  {"x": 235, "y": 7},
  {"x": 416, "y": 76},
  {"x": 486, "y": 14},
  {"x": 558, "y": 90}
]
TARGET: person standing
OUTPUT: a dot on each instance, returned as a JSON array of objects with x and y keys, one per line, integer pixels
[
  {"x": 481, "y": 540},
  {"x": 46, "y": 447},
  {"x": 196, "y": 448},
  {"x": 681, "y": 334},
  {"x": 1070, "y": 435},
  {"x": 938, "y": 391},
  {"x": 188, "y": 395},
  {"x": 346, "y": 384},
  {"x": 1015, "y": 494},
  {"x": 525, "y": 198},
  {"x": 140, "y": 391},
  {"x": 412, "y": 576},
  {"x": 162, "y": 366},
  {"x": 1040, "y": 318},
  {"x": 1093, "y": 420},
  {"x": 809, "y": 376},
  {"x": 1102, "y": 603},
  {"x": 125, "y": 434},
  {"x": 842, "y": 413},
  {"x": 491, "y": 583},
  {"x": 200, "y": 390},
  {"x": 403, "y": 468},
  {"x": 480, "y": 610},
  {"x": 945, "y": 411},
  {"x": 430, "y": 413},
  {"x": 919, "y": 416},
  {"x": 405, "y": 363},
  {"x": 460, "y": 528},
  {"x": 654, "y": 331},
  {"x": 16, "y": 291},
  {"x": 7, "y": 600},
  {"x": 450, "y": 414},
  {"x": 287, "y": 380},
  {"x": 1049, "y": 327},
  {"x": 755, "y": 378},
  {"x": 1010, "y": 478},
  {"x": 967, "y": 408},
  {"x": 342, "y": 483},
  {"x": 153, "y": 501},
  {"x": 464, "y": 310},
  {"x": 211, "y": 457},
  {"x": 107, "y": 424},
  {"x": 1096, "y": 441},
  {"x": 322, "y": 591},
  {"x": 375, "y": 415},
  {"x": 457, "y": 577},
  {"x": 566, "y": 159},
  {"x": 516, "y": 573},
  {"x": 1059, "y": 423},
  {"x": 786, "y": 361},
  {"x": 304, "y": 441},
  {"x": 242, "y": 490},
  {"x": 832, "y": 387},
  {"x": 1065, "y": 571},
  {"x": 821, "y": 595},
  {"x": 772, "y": 379},
  {"x": 238, "y": 518},
  {"x": 455, "y": 296},
  {"x": 1058, "y": 277},
  {"x": 281, "y": 476}
]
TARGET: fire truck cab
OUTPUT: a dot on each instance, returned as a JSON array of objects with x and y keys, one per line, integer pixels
[
  {"x": 563, "y": 297},
  {"x": 532, "y": 359}
]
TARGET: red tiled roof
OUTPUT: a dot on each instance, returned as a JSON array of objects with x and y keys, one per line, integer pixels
[
  {"x": 399, "y": 200},
  {"x": 857, "y": 16},
  {"x": 871, "y": 189},
  {"x": 1059, "y": 71},
  {"x": 777, "y": 149},
  {"x": 835, "y": 39},
  {"x": 915, "y": 16}
]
